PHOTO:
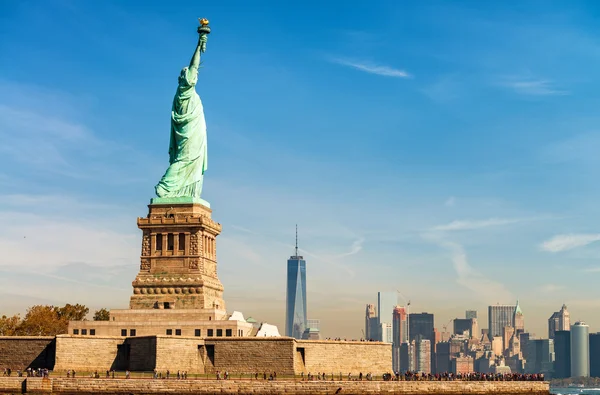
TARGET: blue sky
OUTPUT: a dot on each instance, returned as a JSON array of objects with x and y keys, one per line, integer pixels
[{"x": 447, "y": 150}]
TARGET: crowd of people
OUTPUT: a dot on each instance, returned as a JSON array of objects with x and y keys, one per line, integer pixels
[
  {"x": 29, "y": 372},
  {"x": 398, "y": 376}
]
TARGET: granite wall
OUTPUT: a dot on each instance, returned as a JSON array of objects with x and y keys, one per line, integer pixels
[
  {"x": 149, "y": 386},
  {"x": 21, "y": 352}
]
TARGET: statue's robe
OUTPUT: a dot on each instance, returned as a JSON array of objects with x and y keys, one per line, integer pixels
[{"x": 188, "y": 147}]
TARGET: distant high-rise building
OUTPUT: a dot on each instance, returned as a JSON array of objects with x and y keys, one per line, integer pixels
[
  {"x": 518, "y": 319},
  {"x": 295, "y": 311},
  {"x": 442, "y": 357},
  {"x": 524, "y": 340},
  {"x": 371, "y": 328},
  {"x": 386, "y": 332},
  {"x": 594, "y": 354},
  {"x": 386, "y": 301},
  {"x": 313, "y": 324},
  {"x": 422, "y": 355},
  {"x": 559, "y": 321},
  {"x": 541, "y": 356},
  {"x": 580, "y": 350},
  {"x": 399, "y": 334},
  {"x": 562, "y": 354},
  {"x": 462, "y": 325},
  {"x": 421, "y": 325},
  {"x": 471, "y": 314},
  {"x": 500, "y": 316}
]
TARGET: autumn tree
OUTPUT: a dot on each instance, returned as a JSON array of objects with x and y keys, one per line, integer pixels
[
  {"x": 101, "y": 315},
  {"x": 42, "y": 320},
  {"x": 9, "y": 325},
  {"x": 70, "y": 312}
]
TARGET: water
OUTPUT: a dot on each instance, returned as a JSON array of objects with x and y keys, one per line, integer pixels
[{"x": 575, "y": 391}]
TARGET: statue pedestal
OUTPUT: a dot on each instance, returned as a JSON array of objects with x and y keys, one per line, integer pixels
[
  {"x": 178, "y": 265},
  {"x": 179, "y": 200}
]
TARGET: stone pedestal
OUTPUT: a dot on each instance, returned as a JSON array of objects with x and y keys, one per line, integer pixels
[{"x": 178, "y": 264}]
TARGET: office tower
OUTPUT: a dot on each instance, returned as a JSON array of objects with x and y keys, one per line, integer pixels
[
  {"x": 371, "y": 329},
  {"x": 422, "y": 325},
  {"x": 518, "y": 319},
  {"x": 500, "y": 316},
  {"x": 559, "y": 321},
  {"x": 524, "y": 340},
  {"x": 406, "y": 357},
  {"x": 562, "y": 354},
  {"x": 295, "y": 304},
  {"x": 399, "y": 334},
  {"x": 313, "y": 324},
  {"x": 580, "y": 350},
  {"x": 462, "y": 364},
  {"x": 442, "y": 357},
  {"x": 507, "y": 334},
  {"x": 386, "y": 301},
  {"x": 594, "y": 354},
  {"x": 471, "y": 314},
  {"x": 386, "y": 332},
  {"x": 422, "y": 355},
  {"x": 462, "y": 325},
  {"x": 541, "y": 356}
]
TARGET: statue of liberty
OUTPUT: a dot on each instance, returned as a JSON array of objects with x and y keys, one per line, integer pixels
[{"x": 188, "y": 147}]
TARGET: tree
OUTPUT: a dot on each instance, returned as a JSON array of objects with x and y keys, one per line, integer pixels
[
  {"x": 9, "y": 325},
  {"x": 42, "y": 321},
  {"x": 70, "y": 312},
  {"x": 101, "y": 315}
]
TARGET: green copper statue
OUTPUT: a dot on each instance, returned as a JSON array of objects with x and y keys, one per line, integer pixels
[{"x": 188, "y": 147}]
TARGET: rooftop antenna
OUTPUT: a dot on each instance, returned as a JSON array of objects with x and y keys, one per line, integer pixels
[{"x": 296, "y": 239}]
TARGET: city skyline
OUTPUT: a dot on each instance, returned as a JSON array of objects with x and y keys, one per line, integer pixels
[{"x": 459, "y": 169}]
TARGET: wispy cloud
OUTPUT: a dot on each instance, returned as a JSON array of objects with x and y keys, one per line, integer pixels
[
  {"x": 372, "y": 68},
  {"x": 569, "y": 241},
  {"x": 355, "y": 248},
  {"x": 592, "y": 270},
  {"x": 477, "y": 224},
  {"x": 470, "y": 278},
  {"x": 532, "y": 87},
  {"x": 450, "y": 202},
  {"x": 549, "y": 288}
]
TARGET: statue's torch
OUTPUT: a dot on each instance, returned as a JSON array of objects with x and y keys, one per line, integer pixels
[{"x": 203, "y": 31}]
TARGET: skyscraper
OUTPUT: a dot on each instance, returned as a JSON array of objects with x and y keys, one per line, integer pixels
[
  {"x": 518, "y": 319},
  {"x": 422, "y": 355},
  {"x": 386, "y": 301},
  {"x": 421, "y": 326},
  {"x": 580, "y": 350},
  {"x": 594, "y": 354},
  {"x": 371, "y": 328},
  {"x": 500, "y": 316},
  {"x": 541, "y": 356},
  {"x": 399, "y": 334},
  {"x": 295, "y": 304},
  {"x": 559, "y": 321},
  {"x": 471, "y": 314},
  {"x": 562, "y": 354}
]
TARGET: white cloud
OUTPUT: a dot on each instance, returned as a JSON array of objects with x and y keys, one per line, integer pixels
[
  {"x": 355, "y": 248},
  {"x": 450, "y": 202},
  {"x": 569, "y": 241},
  {"x": 592, "y": 270},
  {"x": 533, "y": 87},
  {"x": 470, "y": 225},
  {"x": 470, "y": 278},
  {"x": 549, "y": 288},
  {"x": 372, "y": 68}
]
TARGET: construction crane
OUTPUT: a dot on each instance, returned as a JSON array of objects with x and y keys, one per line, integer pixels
[{"x": 446, "y": 326}]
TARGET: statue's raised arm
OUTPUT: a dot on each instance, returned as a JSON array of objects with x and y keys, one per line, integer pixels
[{"x": 188, "y": 154}]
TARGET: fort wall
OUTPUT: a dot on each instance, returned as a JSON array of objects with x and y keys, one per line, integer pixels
[
  {"x": 21, "y": 352},
  {"x": 149, "y": 386}
]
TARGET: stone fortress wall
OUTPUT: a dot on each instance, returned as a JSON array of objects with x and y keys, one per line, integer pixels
[
  {"x": 17, "y": 385},
  {"x": 284, "y": 355}
]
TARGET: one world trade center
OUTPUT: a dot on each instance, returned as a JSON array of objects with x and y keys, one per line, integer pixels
[{"x": 295, "y": 303}]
